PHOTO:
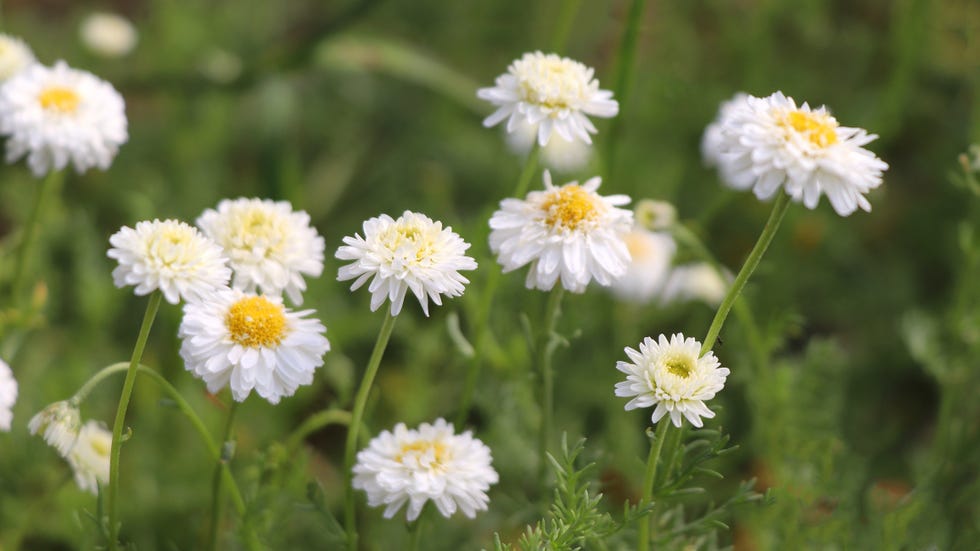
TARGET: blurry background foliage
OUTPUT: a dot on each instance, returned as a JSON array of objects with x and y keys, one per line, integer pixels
[{"x": 864, "y": 419}]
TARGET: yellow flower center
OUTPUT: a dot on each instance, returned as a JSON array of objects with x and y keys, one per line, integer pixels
[
  {"x": 569, "y": 207},
  {"x": 57, "y": 98},
  {"x": 101, "y": 445},
  {"x": 682, "y": 366},
  {"x": 819, "y": 128},
  {"x": 255, "y": 322},
  {"x": 421, "y": 447}
]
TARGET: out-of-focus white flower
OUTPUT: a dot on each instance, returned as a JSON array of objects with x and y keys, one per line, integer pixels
[
  {"x": 431, "y": 463},
  {"x": 568, "y": 232},
  {"x": 8, "y": 395},
  {"x": 713, "y": 139},
  {"x": 768, "y": 144},
  {"x": 58, "y": 424},
  {"x": 695, "y": 281},
  {"x": 413, "y": 252},
  {"x": 108, "y": 34},
  {"x": 560, "y": 154},
  {"x": 171, "y": 256},
  {"x": 15, "y": 56},
  {"x": 552, "y": 93},
  {"x": 651, "y": 254},
  {"x": 672, "y": 376},
  {"x": 89, "y": 457},
  {"x": 220, "y": 66},
  {"x": 269, "y": 246},
  {"x": 247, "y": 341},
  {"x": 56, "y": 115},
  {"x": 655, "y": 215}
]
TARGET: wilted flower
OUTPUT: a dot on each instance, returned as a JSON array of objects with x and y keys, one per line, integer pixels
[
  {"x": 58, "y": 424},
  {"x": 695, "y": 281},
  {"x": 89, "y": 457}
]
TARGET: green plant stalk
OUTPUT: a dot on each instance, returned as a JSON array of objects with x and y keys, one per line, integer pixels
[
  {"x": 113, "y": 496},
  {"x": 649, "y": 476},
  {"x": 765, "y": 238},
  {"x": 624, "y": 78},
  {"x": 566, "y": 16},
  {"x": 482, "y": 332},
  {"x": 314, "y": 423},
  {"x": 360, "y": 402},
  {"x": 546, "y": 349},
  {"x": 530, "y": 167},
  {"x": 415, "y": 531},
  {"x": 49, "y": 183},
  {"x": 219, "y": 469},
  {"x": 670, "y": 455}
]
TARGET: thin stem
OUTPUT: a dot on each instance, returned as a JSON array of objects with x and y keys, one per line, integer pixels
[
  {"x": 360, "y": 401},
  {"x": 624, "y": 77},
  {"x": 113, "y": 497},
  {"x": 546, "y": 349},
  {"x": 768, "y": 232},
  {"x": 314, "y": 423},
  {"x": 415, "y": 531},
  {"x": 649, "y": 476},
  {"x": 482, "y": 331},
  {"x": 30, "y": 229},
  {"x": 669, "y": 455},
  {"x": 565, "y": 19},
  {"x": 530, "y": 166},
  {"x": 227, "y": 450},
  {"x": 94, "y": 381}
]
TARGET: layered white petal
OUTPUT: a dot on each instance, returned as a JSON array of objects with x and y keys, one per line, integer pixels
[{"x": 8, "y": 395}]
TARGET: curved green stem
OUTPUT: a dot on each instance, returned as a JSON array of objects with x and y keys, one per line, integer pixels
[
  {"x": 94, "y": 381},
  {"x": 360, "y": 402},
  {"x": 49, "y": 183},
  {"x": 649, "y": 476},
  {"x": 546, "y": 349},
  {"x": 530, "y": 167},
  {"x": 227, "y": 451},
  {"x": 624, "y": 78},
  {"x": 314, "y": 423}
]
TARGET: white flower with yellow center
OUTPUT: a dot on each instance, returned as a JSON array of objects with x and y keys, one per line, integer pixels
[
  {"x": 568, "y": 232},
  {"x": 8, "y": 395},
  {"x": 651, "y": 254},
  {"x": 89, "y": 457},
  {"x": 411, "y": 253},
  {"x": 171, "y": 256},
  {"x": 428, "y": 464},
  {"x": 769, "y": 144},
  {"x": 247, "y": 341},
  {"x": 56, "y": 115},
  {"x": 672, "y": 376},
  {"x": 108, "y": 34},
  {"x": 15, "y": 56},
  {"x": 270, "y": 247},
  {"x": 553, "y": 94},
  {"x": 58, "y": 424}
]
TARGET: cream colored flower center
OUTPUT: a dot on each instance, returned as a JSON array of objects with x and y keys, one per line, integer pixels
[
  {"x": 408, "y": 240},
  {"x": 256, "y": 322},
  {"x": 58, "y": 98},
  {"x": 101, "y": 445},
  {"x": 421, "y": 448},
  {"x": 638, "y": 245},
  {"x": 819, "y": 128},
  {"x": 680, "y": 365},
  {"x": 552, "y": 82},
  {"x": 569, "y": 207}
]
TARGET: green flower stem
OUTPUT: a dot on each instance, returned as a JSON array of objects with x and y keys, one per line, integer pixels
[
  {"x": 624, "y": 78},
  {"x": 768, "y": 232},
  {"x": 227, "y": 451},
  {"x": 649, "y": 476},
  {"x": 415, "y": 531},
  {"x": 113, "y": 496},
  {"x": 670, "y": 456},
  {"x": 566, "y": 16},
  {"x": 546, "y": 349},
  {"x": 50, "y": 182},
  {"x": 314, "y": 423},
  {"x": 360, "y": 402},
  {"x": 530, "y": 167},
  {"x": 482, "y": 331},
  {"x": 94, "y": 381}
]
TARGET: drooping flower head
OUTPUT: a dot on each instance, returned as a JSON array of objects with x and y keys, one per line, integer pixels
[
  {"x": 768, "y": 144},
  {"x": 568, "y": 232},
  {"x": 89, "y": 457},
  {"x": 413, "y": 253},
  {"x": 247, "y": 341},
  {"x": 553, "y": 94},
  {"x": 108, "y": 34},
  {"x": 413, "y": 466},
  {"x": 651, "y": 255},
  {"x": 696, "y": 281},
  {"x": 58, "y": 424},
  {"x": 672, "y": 376},
  {"x": 56, "y": 115},
  {"x": 8, "y": 395},
  {"x": 15, "y": 56},
  {"x": 270, "y": 247}
]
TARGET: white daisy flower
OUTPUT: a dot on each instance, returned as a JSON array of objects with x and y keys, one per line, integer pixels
[
  {"x": 769, "y": 144},
  {"x": 15, "y": 56},
  {"x": 108, "y": 34},
  {"x": 171, "y": 256},
  {"x": 570, "y": 232},
  {"x": 551, "y": 93},
  {"x": 655, "y": 215},
  {"x": 560, "y": 154},
  {"x": 713, "y": 139},
  {"x": 89, "y": 457},
  {"x": 695, "y": 281},
  {"x": 58, "y": 424},
  {"x": 56, "y": 115},
  {"x": 651, "y": 254},
  {"x": 8, "y": 395},
  {"x": 270, "y": 247},
  {"x": 247, "y": 341},
  {"x": 672, "y": 376},
  {"x": 413, "y": 252},
  {"x": 431, "y": 463}
]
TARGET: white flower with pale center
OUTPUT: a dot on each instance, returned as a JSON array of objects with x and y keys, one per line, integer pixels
[
  {"x": 713, "y": 138},
  {"x": 270, "y": 247},
  {"x": 58, "y": 424},
  {"x": 56, "y": 115},
  {"x": 89, "y": 457},
  {"x": 8, "y": 395},
  {"x": 560, "y": 154},
  {"x": 568, "y": 232},
  {"x": 108, "y": 34},
  {"x": 171, "y": 256},
  {"x": 431, "y": 463},
  {"x": 15, "y": 56},
  {"x": 695, "y": 281},
  {"x": 247, "y": 341},
  {"x": 651, "y": 254},
  {"x": 411, "y": 253},
  {"x": 551, "y": 93},
  {"x": 769, "y": 144},
  {"x": 672, "y": 376}
]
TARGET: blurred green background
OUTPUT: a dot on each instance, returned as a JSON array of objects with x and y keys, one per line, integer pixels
[{"x": 862, "y": 413}]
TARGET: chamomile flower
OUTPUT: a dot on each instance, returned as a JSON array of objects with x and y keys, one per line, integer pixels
[
  {"x": 554, "y": 94},
  {"x": 568, "y": 232},
  {"x": 58, "y": 424},
  {"x": 651, "y": 254},
  {"x": 413, "y": 253},
  {"x": 431, "y": 463},
  {"x": 171, "y": 256},
  {"x": 56, "y": 115},
  {"x": 15, "y": 56},
  {"x": 674, "y": 377},
  {"x": 8, "y": 395},
  {"x": 89, "y": 457},
  {"x": 108, "y": 34},
  {"x": 768, "y": 144},
  {"x": 247, "y": 341},
  {"x": 270, "y": 247}
]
